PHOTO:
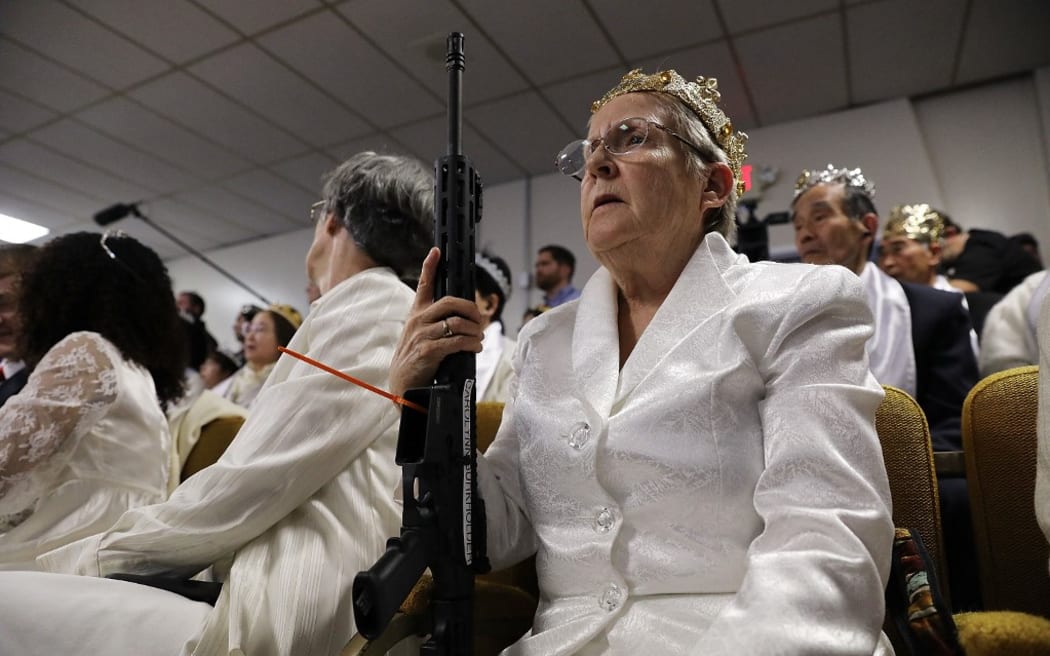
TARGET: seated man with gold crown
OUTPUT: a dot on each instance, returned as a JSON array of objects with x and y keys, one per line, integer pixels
[
  {"x": 689, "y": 448},
  {"x": 911, "y": 251}
]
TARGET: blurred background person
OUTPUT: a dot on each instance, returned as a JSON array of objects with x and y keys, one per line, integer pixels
[
  {"x": 217, "y": 371},
  {"x": 493, "y": 363},
  {"x": 14, "y": 260},
  {"x": 201, "y": 342},
  {"x": 269, "y": 329},
  {"x": 87, "y": 438},
  {"x": 240, "y": 329},
  {"x": 553, "y": 272}
]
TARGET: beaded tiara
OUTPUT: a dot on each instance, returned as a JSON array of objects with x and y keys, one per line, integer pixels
[
  {"x": 701, "y": 97},
  {"x": 831, "y": 175},
  {"x": 481, "y": 260},
  {"x": 919, "y": 222}
]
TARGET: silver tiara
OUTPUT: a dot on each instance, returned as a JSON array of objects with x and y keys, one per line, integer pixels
[
  {"x": 831, "y": 175},
  {"x": 490, "y": 268}
]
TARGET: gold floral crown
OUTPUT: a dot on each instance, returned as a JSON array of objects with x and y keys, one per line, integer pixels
[
  {"x": 831, "y": 175},
  {"x": 919, "y": 222},
  {"x": 288, "y": 313},
  {"x": 702, "y": 98}
]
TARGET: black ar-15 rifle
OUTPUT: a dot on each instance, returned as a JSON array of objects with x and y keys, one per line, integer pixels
[{"x": 443, "y": 525}]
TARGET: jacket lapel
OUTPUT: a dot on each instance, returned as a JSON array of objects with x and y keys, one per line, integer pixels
[{"x": 699, "y": 295}]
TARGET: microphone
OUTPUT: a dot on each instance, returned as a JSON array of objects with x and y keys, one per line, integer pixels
[{"x": 115, "y": 213}]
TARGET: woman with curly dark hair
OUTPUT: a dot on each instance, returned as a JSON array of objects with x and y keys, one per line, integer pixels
[{"x": 87, "y": 438}]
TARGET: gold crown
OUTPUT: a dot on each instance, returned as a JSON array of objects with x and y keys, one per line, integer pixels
[
  {"x": 702, "y": 97},
  {"x": 919, "y": 222},
  {"x": 290, "y": 314}
]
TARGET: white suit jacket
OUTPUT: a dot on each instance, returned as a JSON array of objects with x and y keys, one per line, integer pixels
[
  {"x": 722, "y": 493},
  {"x": 301, "y": 501}
]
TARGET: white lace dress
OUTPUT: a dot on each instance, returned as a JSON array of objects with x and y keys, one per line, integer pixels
[{"x": 83, "y": 442}]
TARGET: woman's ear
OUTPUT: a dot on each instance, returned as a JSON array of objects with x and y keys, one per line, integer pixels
[
  {"x": 487, "y": 304},
  {"x": 719, "y": 185},
  {"x": 332, "y": 224}
]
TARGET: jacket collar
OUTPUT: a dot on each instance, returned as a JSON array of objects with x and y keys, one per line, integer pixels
[{"x": 698, "y": 295}]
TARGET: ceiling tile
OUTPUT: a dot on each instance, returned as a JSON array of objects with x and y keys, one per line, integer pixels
[
  {"x": 251, "y": 17},
  {"x": 661, "y": 28},
  {"x": 45, "y": 82},
  {"x": 183, "y": 220},
  {"x": 254, "y": 78},
  {"x": 571, "y": 42},
  {"x": 18, "y": 115},
  {"x": 526, "y": 126},
  {"x": 189, "y": 102},
  {"x": 1009, "y": 24},
  {"x": 428, "y": 140},
  {"x": 161, "y": 26},
  {"x": 572, "y": 98},
  {"x": 139, "y": 230},
  {"x": 85, "y": 144},
  {"x": 219, "y": 202},
  {"x": 899, "y": 48},
  {"x": 44, "y": 162},
  {"x": 808, "y": 75},
  {"x": 379, "y": 142},
  {"x": 275, "y": 193},
  {"x": 142, "y": 128},
  {"x": 64, "y": 34},
  {"x": 417, "y": 39},
  {"x": 715, "y": 61},
  {"x": 306, "y": 170},
  {"x": 31, "y": 209},
  {"x": 320, "y": 46},
  {"x": 744, "y": 15},
  {"x": 74, "y": 204}
]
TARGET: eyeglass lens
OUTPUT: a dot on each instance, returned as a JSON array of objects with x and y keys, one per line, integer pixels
[{"x": 619, "y": 139}]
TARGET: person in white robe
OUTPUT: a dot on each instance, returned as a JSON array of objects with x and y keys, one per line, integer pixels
[
  {"x": 493, "y": 364},
  {"x": 303, "y": 497},
  {"x": 1042, "y": 471},
  {"x": 689, "y": 449},
  {"x": 87, "y": 439},
  {"x": 1011, "y": 327}
]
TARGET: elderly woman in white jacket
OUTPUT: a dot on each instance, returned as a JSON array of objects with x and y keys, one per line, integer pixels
[{"x": 690, "y": 449}]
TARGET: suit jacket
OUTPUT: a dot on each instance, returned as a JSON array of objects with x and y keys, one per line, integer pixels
[
  {"x": 300, "y": 502},
  {"x": 945, "y": 365},
  {"x": 13, "y": 385},
  {"x": 721, "y": 493}
]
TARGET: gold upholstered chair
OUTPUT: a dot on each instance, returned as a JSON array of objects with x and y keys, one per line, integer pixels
[
  {"x": 905, "y": 439},
  {"x": 215, "y": 437},
  {"x": 999, "y": 441}
]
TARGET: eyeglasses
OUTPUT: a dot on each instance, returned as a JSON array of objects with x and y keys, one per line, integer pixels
[
  {"x": 315, "y": 211},
  {"x": 620, "y": 139}
]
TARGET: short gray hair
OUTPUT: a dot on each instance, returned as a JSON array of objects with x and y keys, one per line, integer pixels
[
  {"x": 386, "y": 203},
  {"x": 683, "y": 121}
]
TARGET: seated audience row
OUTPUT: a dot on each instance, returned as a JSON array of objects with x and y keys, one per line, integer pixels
[{"x": 688, "y": 447}]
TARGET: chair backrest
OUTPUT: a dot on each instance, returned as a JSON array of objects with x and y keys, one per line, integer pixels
[
  {"x": 216, "y": 435},
  {"x": 999, "y": 439},
  {"x": 906, "y": 449}
]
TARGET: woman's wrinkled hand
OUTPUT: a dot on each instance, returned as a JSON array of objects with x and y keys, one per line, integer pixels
[{"x": 434, "y": 330}]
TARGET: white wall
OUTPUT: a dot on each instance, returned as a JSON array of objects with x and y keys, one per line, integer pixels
[
  {"x": 274, "y": 267},
  {"x": 980, "y": 154}
]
